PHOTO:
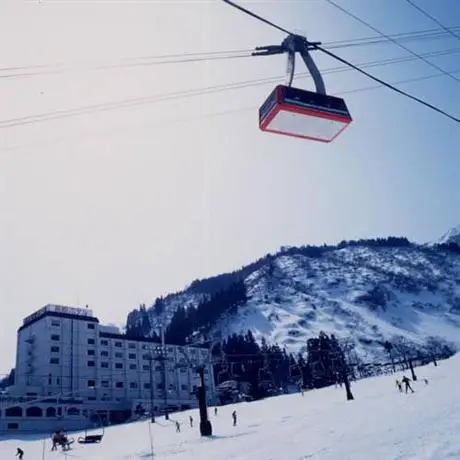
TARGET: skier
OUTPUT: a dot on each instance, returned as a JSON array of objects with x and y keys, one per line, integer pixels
[
  {"x": 19, "y": 453},
  {"x": 177, "y": 427},
  {"x": 191, "y": 422},
  {"x": 234, "y": 417},
  {"x": 406, "y": 382},
  {"x": 215, "y": 411},
  {"x": 398, "y": 384},
  {"x": 300, "y": 387}
]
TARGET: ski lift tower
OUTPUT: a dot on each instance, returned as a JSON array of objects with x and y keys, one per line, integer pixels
[
  {"x": 162, "y": 357},
  {"x": 205, "y": 423}
]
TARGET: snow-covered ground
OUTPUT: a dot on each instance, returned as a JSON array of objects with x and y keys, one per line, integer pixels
[{"x": 379, "y": 424}]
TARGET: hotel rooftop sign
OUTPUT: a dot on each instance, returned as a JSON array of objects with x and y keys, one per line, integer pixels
[{"x": 59, "y": 309}]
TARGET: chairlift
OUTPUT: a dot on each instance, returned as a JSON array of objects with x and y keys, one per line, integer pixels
[{"x": 92, "y": 438}]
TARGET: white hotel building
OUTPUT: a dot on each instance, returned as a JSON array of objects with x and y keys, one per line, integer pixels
[{"x": 69, "y": 368}]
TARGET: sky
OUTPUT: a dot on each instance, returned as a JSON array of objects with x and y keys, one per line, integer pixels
[{"x": 115, "y": 207}]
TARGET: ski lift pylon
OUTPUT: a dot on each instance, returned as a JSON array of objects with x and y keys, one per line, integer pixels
[{"x": 297, "y": 112}]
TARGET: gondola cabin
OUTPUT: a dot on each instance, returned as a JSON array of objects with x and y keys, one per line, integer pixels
[{"x": 304, "y": 114}]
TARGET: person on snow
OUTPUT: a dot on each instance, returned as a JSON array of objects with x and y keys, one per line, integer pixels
[
  {"x": 215, "y": 411},
  {"x": 19, "y": 453},
  {"x": 57, "y": 439},
  {"x": 234, "y": 417},
  {"x": 177, "y": 427},
  {"x": 406, "y": 382},
  {"x": 191, "y": 421},
  {"x": 300, "y": 387},
  {"x": 399, "y": 386}
]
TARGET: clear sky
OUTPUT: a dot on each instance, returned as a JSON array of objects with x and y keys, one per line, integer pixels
[{"x": 114, "y": 208}]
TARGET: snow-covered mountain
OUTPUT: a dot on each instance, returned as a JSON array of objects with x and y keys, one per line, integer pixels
[
  {"x": 369, "y": 291},
  {"x": 452, "y": 236}
]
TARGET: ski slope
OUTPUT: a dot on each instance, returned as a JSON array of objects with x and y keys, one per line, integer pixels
[{"x": 380, "y": 423}]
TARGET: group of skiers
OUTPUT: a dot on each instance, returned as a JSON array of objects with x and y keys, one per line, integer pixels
[
  {"x": 59, "y": 438},
  {"x": 406, "y": 381},
  {"x": 177, "y": 423}
]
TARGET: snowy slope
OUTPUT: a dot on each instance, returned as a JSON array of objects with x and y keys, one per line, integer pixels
[
  {"x": 367, "y": 293},
  {"x": 379, "y": 424}
]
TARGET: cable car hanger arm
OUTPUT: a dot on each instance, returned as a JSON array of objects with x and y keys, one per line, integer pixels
[
  {"x": 291, "y": 45},
  {"x": 297, "y": 44}
]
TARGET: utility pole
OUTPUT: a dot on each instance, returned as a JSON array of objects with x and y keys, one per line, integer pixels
[
  {"x": 152, "y": 382},
  {"x": 162, "y": 357}
]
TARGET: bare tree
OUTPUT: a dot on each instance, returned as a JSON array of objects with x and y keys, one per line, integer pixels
[
  {"x": 343, "y": 349},
  {"x": 406, "y": 353},
  {"x": 389, "y": 349},
  {"x": 437, "y": 348}
]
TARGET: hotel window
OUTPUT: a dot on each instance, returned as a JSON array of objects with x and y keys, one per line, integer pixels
[
  {"x": 56, "y": 337},
  {"x": 91, "y": 326},
  {"x": 91, "y": 363}
]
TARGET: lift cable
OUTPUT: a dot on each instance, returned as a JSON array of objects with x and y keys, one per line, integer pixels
[
  {"x": 388, "y": 37},
  {"x": 58, "y": 114},
  {"x": 346, "y": 62},
  {"x": 428, "y": 15},
  {"x": 428, "y": 34},
  {"x": 390, "y": 86},
  {"x": 17, "y": 71}
]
